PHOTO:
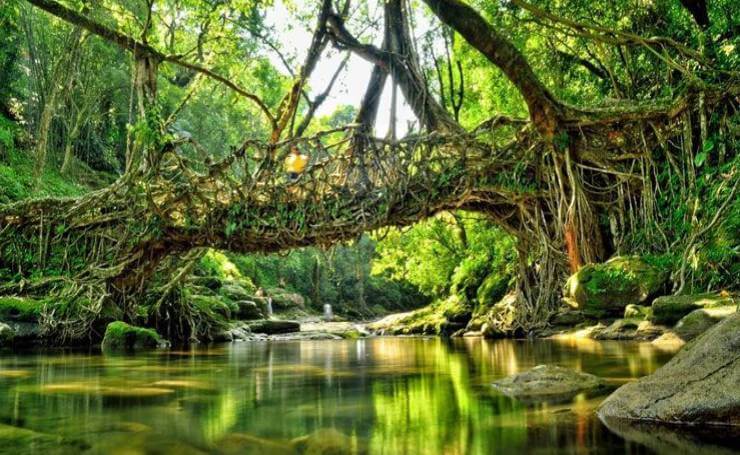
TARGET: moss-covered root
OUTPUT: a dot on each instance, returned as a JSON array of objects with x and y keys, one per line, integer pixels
[{"x": 120, "y": 336}]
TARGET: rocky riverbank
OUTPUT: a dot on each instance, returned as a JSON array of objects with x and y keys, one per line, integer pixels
[{"x": 624, "y": 298}]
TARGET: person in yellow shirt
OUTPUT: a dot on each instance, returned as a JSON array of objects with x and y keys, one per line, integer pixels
[{"x": 295, "y": 164}]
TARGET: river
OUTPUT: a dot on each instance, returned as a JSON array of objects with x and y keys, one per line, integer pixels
[{"x": 376, "y": 395}]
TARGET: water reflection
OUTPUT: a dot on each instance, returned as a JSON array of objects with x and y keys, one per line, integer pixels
[{"x": 381, "y": 395}]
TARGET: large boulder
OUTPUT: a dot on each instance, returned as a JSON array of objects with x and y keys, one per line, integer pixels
[
  {"x": 669, "y": 309},
  {"x": 234, "y": 291},
  {"x": 271, "y": 327},
  {"x": 549, "y": 383},
  {"x": 698, "y": 386},
  {"x": 284, "y": 300},
  {"x": 122, "y": 336},
  {"x": 567, "y": 318},
  {"x": 326, "y": 441},
  {"x": 247, "y": 310},
  {"x": 603, "y": 290}
]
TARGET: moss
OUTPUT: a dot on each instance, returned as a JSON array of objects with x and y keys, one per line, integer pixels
[
  {"x": 669, "y": 310},
  {"x": 17, "y": 180},
  {"x": 20, "y": 309},
  {"x": 432, "y": 318},
  {"x": 493, "y": 288},
  {"x": 602, "y": 290},
  {"x": 353, "y": 334},
  {"x": 694, "y": 324},
  {"x": 215, "y": 307},
  {"x": 122, "y": 336}
]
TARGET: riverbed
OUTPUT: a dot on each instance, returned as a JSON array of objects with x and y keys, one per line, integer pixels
[{"x": 385, "y": 395}]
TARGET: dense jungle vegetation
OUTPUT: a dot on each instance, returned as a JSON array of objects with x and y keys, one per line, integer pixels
[{"x": 142, "y": 142}]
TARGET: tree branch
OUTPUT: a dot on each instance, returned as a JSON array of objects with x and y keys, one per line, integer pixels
[{"x": 401, "y": 64}]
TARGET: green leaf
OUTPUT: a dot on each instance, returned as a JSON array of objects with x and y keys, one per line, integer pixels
[
  {"x": 708, "y": 145},
  {"x": 230, "y": 228},
  {"x": 700, "y": 158}
]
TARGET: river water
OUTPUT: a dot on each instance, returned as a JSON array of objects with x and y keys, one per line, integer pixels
[{"x": 376, "y": 395}]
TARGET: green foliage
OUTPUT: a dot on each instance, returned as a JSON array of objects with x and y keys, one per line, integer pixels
[
  {"x": 20, "y": 309},
  {"x": 17, "y": 180}
]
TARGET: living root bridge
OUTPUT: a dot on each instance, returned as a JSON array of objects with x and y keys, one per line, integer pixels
[{"x": 104, "y": 246}]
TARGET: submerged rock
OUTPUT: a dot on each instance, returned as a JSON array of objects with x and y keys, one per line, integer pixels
[
  {"x": 669, "y": 309},
  {"x": 22, "y": 440},
  {"x": 271, "y": 327},
  {"x": 601, "y": 290},
  {"x": 248, "y": 309},
  {"x": 549, "y": 383},
  {"x": 122, "y": 336},
  {"x": 698, "y": 386},
  {"x": 240, "y": 443},
  {"x": 326, "y": 441}
]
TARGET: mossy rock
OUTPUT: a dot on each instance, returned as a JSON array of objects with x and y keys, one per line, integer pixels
[
  {"x": 642, "y": 312},
  {"x": 122, "y": 336},
  {"x": 248, "y": 310},
  {"x": 20, "y": 309},
  {"x": 234, "y": 291},
  {"x": 493, "y": 289},
  {"x": 271, "y": 327},
  {"x": 693, "y": 325},
  {"x": 7, "y": 335},
  {"x": 283, "y": 300},
  {"x": 668, "y": 310},
  {"x": 602, "y": 290},
  {"x": 223, "y": 308},
  {"x": 568, "y": 318},
  {"x": 549, "y": 383},
  {"x": 210, "y": 282},
  {"x": 699, "y": 321}
]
